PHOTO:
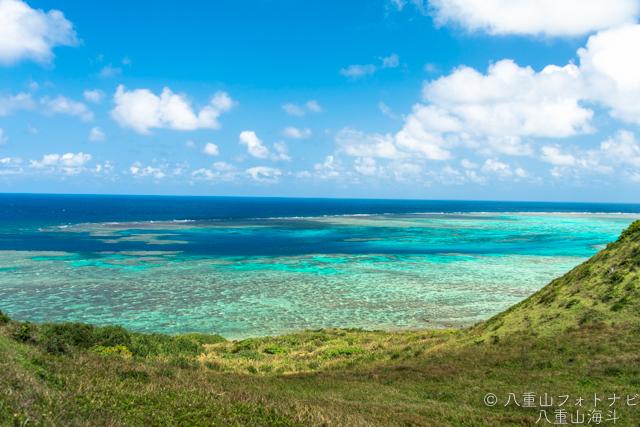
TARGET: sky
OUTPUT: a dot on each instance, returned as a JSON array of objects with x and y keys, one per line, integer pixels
[{"x": 437, "y": 99}]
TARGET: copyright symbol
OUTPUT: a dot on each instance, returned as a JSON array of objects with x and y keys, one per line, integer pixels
[{"x": 490, "y": 399}]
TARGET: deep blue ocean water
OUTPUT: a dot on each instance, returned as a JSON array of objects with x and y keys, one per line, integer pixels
[{"x": 255, "y": 266}]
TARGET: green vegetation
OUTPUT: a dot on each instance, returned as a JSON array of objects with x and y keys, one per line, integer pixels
[{"x": 578, "y": 336}]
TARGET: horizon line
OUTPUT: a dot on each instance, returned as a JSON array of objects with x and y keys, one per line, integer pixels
[{"x": 311, "y": 198}]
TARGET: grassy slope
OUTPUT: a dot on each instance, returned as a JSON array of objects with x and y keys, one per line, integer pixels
[{"x": 578, "y": 335}]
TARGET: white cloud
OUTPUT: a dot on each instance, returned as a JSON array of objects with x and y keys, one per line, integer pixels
[
  {"x": 211, "y": 149},
  {"x": 493, "y": 112},
  {"x": 68, "y": 163},
  {"x": 313, "y": 106},
  {"x": 501, "y": 169},
  {"x": 64, "y": 105},
  {"x": 142, "y": 110},
  {"x": 386, "y": 110},
  {"x": 611, "y": 68},
  {"x": 539, "y": 17},
  {"x": 281, "y": 152},
  {"x": 512, "y": 100},
  {"x": 264, "y": 174},
  {"x": 421, "y": 133},
  {"x": 329, "y": 169},
  {"x": 254, "y": 145},
  {"x": 10, "y": 166},
  {"x": 623, "y": 148},
  {"x": 109, "y": 71},
  {"x": 11, "y": 103},
  {"x": 293, "y": 109},
  {"x": 359, "y": 144},
  {"x": 366, "y": 166},
  {"x": 357, "y": 71},
  {"x": 619, "y": 153},
  {"x": 3, "y": 137},
  {"x": 553, "y": 154},
  {"x": 96, "y": 134},
  {"x": 219, "y": 171},
  {"x": 295, "y": 133},
  {"x": 391, "y": 61},
  {"x": 468, "y": 164},
  {"x": 27, "y": 33},
  {"x": 95, "y": 95},
  {"x": 58, "y": 105},
  {"x": 137, "y": 169}
]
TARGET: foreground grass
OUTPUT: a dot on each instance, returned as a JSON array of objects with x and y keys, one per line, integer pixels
[{"x": 579, "y": 336}]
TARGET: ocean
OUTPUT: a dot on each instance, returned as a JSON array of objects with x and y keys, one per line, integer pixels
[{"x": 259, "y": 266}]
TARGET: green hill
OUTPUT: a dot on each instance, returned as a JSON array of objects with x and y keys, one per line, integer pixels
[
  {"x": 577, "y": 337},
  {"x": 603, "y": 290}
]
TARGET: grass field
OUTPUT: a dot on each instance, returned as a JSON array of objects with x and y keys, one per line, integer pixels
[{"x": 578, "y": 337}]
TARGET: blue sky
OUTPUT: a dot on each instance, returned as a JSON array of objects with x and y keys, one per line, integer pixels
[{"x": 459, "y": 99}]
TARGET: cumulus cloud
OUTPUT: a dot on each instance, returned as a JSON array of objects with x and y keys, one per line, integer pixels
[
  {"x": 254, "y": 145},
  {"x": 611, "y": 69},
  {"x": 311, "y": 106},
  {"x": 109, "y": 71},
  {"x": 540, "y": 17},
  {"x": 553, "y": 154},
  {"x": 281, "y": 152},
  {"x": 93, "y": 95},
  {"x": 210, "y": 149},
  {"x": 357, "y": 71},
  {"x": 68, "y": 163},
  {"x": 296, "y": 133},
  {"x": 391, "y": 61},
  {"x": 496, "y": 111},
  {"x": 504, "y": 170},
  {"x": 137, "y": 169},
  {"x": 293, "y": 109},
  {"x": 359, "y": 144},
  {"x": 11, "y": 103},
  {"x": 387, "y": 111},
  {"x": 46, "y": 105},
  {"x": 27, "y": 33},
  {"x": 219, "y": 171},
  {"x": 10, "y": 166},
  {"x": 366, "y": 166},
  {"x": 623, "y": 148},
  {"x": 264, "y": 174},
  {"x": 142, "y": 110},
  {"x": 64, "y": 105},
  {"x": 512, "y": 100},
  {"x": 96, "y": 134},
  {"x": 618, "y": 153}
]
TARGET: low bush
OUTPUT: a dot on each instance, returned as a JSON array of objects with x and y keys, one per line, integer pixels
[
  {"x": 24, "y": 332},
  {"x": 117, "y": 350}
]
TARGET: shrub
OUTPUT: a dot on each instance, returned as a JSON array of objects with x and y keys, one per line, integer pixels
[
  {"x": 274, "y": 349},
  {"x": 111, "y": 336},
  {"x": 204, "y": 338},
  {"x": 158, "y": 344},
  {"x": 117, "y": 350},
  {"x": 61, "y": 338},
  {"x": 342, "y": 352},
  {"x": 4, "y": 318},
  {"x": 24, "y": 332}
]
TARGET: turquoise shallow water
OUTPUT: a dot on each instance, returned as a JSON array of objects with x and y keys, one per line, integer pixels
[{"x": 248, "y": 277}]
